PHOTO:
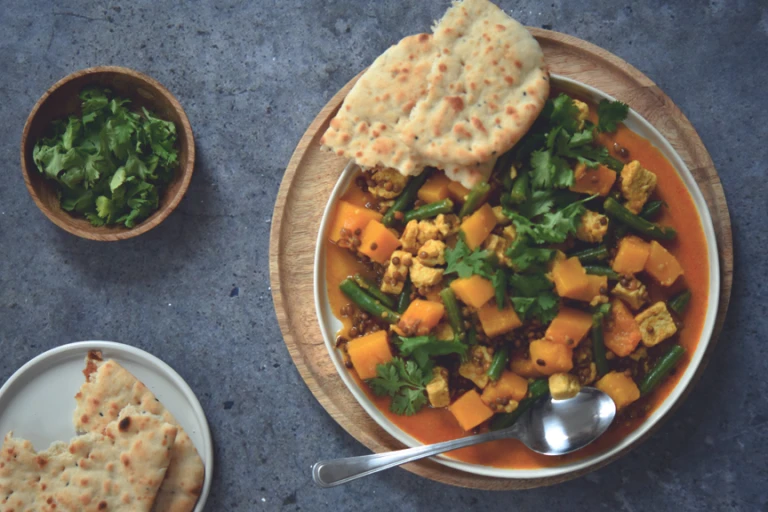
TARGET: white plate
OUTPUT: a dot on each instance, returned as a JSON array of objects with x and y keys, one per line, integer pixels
[
  {"x": 330, "y": 325},
  {"x": 38, "y": 401}
]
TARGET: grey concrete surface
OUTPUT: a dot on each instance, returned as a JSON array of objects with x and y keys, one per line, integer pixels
[{"x": 195, "y": 291}]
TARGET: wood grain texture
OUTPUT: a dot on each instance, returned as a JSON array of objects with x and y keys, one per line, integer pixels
[
  {"x": 312, "y": 173},
  {"x": 62, "y": 100}
]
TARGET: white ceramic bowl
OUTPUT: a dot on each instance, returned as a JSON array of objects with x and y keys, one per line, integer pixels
[{"x": 330, "y": 325}]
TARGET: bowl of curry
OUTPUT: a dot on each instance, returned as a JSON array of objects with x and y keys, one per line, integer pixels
[{"x": 588, "y": 259}]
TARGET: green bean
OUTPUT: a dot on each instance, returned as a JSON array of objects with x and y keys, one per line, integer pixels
[
  {"x": 453, "y": 312},
  {"x": 652, "y": 209},
  {"x": 536, "y": 390},
  {"x": 405, "y": 199},
  {"x": 614, "y": 164},
  {"x": 599, "y": 270},
  {"x": 367, "y": 302},
  {"x": 474, "y": 198},
  {"x": 591, "y": 255},
  {"x": 471, "y": 337},
  {"x": 404, "y": 300},
  {"x": 500, "y": 288},
  {"x": 499, "y": 362},
  {"x": 374, "y": 291},
  {"x": 427, "y": 211},
  {"x": 598, "y": 343},
  {"x": 642, "y": 226},
  {"x": 519, "y": 192},
  {"x": 661, "y": 369},
  {"x": 679, "y": 302}
]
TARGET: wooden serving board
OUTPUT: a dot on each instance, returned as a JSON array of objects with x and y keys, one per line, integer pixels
[{"x": 307, "y": 185}]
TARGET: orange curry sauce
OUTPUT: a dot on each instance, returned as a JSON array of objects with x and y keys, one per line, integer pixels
[{"x": 435, "y": 425}]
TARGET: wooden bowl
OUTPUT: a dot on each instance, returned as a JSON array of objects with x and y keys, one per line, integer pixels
[{"x": 62, "y": 100}]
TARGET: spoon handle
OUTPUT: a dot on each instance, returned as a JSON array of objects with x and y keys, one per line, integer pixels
[{"x": 329, "y": 473}]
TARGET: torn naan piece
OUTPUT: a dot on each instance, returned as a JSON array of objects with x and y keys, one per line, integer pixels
[
  {"x": 118, "y": 470},
  {"x": 366, "y": 126},
  {"x": 484, "y": 91},
  {"x": 107, "y": 390},
  {"x": 455, "y": 100}
]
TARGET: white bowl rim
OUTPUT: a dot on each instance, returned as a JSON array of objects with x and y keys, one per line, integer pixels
[{"x": 329, "y": 324}]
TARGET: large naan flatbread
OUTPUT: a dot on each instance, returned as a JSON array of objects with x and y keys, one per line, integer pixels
[
  {"x": 455, "y": 100},
  {"x": 484, "y": 91},
  {"x": 107, "y": 390},
  {"x": 119, "y": 470},
  {"x": 366, "y": 128}
]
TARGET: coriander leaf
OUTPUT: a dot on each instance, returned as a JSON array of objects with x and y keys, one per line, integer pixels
[
  {"x": 110, "y": 163},
  {"x": 534, "y": 297},
  {"x": 423, "y": 348},
  {"x": 580, "y": 138},
  {"x": 564, "y": 113},
  {"x": 465, "y": 263},
  {"x": 610, "y": 114},
  {"x": 408, "y": 402},
  {"x": 403, "y": 381},
  {"x": 542, "y": 168},
  {"x": 117, "y": 179},
  {"x": 523, "y": 256},
  {"x": 74, "y": 128}
]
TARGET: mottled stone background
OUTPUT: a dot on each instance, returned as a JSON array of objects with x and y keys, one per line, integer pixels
[{"x": 195, "y": 291}]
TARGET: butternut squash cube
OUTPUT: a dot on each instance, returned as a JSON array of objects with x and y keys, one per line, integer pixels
[
  {"x": 631, "y": 256},
  {"x": 662, "y": 265},
  {"x": 469, "y": 410},
  {"x": 621, "y": 332},
  {"x": 570, "y": 278},
  {"x": 622, "y": 389},
  {"x": 569, "y": 327},
  {"x": 421, "y": 317},
  {"x": 351, "y": 217},
  {"x": 497, "y": 322},
  {"x": 593, "y": 181},
  {"x": 369, "y": 351},
  {"x": 524, "y": 367},
  {"x": 478, "y": 226},
  {"x": 378, "y": 242},
  {"x": 505, "y": 394},
  {"x": 474, "y": 291},
  {"x": 551, "y": 357},
  {"x": 435, "y": 188}
]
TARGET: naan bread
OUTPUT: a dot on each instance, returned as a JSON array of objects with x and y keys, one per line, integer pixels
[
  {"x": 108, "y": 389},
  {"x": 484, "y": 91},
  {"x": 119, "y": 470},
  {"x": 366, "y": 128},
  {"x": 455, "y": 100}
]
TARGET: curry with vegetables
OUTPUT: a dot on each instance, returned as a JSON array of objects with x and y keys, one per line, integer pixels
[{"x": 581, "y": 262}]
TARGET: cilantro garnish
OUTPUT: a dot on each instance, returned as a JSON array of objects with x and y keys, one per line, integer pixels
[
  {"x": 405, "y": 382},
  {"x": 610, "y": 114},
  {"x": 533, "y": 297},
  {"x": 110, "y": 163},
  {"x": 465, "y": 263},
  {"x": 423, "y": 348}
]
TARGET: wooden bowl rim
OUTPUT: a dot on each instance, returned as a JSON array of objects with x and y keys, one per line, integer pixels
[{"x": 187, "y": 167}]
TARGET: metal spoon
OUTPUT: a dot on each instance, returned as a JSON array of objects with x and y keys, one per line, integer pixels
[{"x": 550, "y": 427}]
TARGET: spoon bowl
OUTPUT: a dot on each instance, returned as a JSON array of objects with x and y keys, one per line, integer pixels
[
  {"x": 547, "y": 426},
  {"x": 557, "y": 427}
]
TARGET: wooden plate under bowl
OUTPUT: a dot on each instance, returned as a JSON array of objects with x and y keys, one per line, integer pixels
[
  {"x": 62, "y": 100},
  {"x": 312, "y": 174}
]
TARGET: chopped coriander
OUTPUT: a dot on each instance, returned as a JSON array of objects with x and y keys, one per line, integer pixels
[
  {"x": 465, "y": 263},
  {"x": 610, "y": 114},
  {"x": 405, "y": 382},
  {"x": 110, "y": 163},
  {"x": 422, "y": 348}
]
